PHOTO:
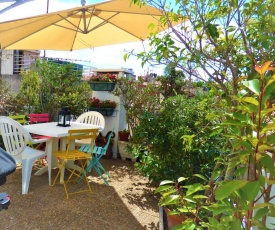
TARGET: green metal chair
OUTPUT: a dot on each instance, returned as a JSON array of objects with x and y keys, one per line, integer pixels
[{"x": 94, "y": 162}]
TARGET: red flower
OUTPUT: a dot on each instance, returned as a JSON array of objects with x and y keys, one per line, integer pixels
[
  {"x": 104, "y": 77},
  {"x": 95, "y": 102}
]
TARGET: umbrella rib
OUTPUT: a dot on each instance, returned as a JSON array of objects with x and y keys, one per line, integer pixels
[
  {"x": 105, "y": 21},
  {"x": 77, "y": 29}
]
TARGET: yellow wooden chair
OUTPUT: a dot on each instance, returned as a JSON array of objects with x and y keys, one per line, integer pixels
[
  {"x": 21, "y": 119},
  {"x": 72, "y": 154}
]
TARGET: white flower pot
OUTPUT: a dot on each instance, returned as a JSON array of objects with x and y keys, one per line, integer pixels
[{"x": 122, "y": 149}]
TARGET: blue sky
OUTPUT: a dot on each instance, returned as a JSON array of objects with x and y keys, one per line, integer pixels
[{"x": 98, "y": 57}]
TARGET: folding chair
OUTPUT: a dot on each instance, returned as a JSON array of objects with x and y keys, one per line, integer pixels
[
  {"x": 94, "y": 162},
  {"x": 72, "y": 154}
]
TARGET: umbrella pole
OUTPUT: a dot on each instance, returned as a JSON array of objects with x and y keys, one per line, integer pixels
[{"x": 47, "y": 11}]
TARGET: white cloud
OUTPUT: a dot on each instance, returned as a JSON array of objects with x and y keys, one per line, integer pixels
[{"x": 99, "y": 57}]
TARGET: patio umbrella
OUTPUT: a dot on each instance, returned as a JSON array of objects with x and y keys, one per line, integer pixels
[{"x": 88, "y": 26}]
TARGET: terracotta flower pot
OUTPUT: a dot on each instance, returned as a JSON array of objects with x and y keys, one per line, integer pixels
[
  {"x": 123, "y": 136},
  {"x": 173, "y": 220}
]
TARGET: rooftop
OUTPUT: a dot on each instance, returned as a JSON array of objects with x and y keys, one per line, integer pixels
[{"x": 128, "y": 203}]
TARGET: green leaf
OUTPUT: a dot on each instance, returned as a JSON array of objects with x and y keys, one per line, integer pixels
[
  {"x": 182, "y": 179},
  {"x": 240, "y": 116},
  {"x": 264, "y": 112},
  {"x": 218, "y": 209},
  {"x": 200, "y": 197},
  {"x": 226, "y": 189},
  {"x": 193, "y": 188},
  {"x": 263, "y": 148},
  {"x": 271, "y": 138},
  {"x": 253, "y": 85},
  {"x": 236, "y": 225},
  {"x": 170, "y": 200},
  {"x": 163, "y": 188},
  {"x": 212, "y": 30},
  {"x": 269, "y": 127},
  {"x": 167, "y": 182},
  {"x": 261, "y": 213},
  {"x": 271, "y": 81},
  {"x": 251, "y": 190},
  {"x": 201, "y": 176},
  {"x": 268, "y": 91},
  {"x": 267, "y": 162},
  {"x": 250, "y": 100}
]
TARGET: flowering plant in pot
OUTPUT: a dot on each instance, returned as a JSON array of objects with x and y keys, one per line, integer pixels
[
  {"x": 103, "y": 78},
  {"x": 105, "y": 107},
  {"x": 97, "y": 103}
]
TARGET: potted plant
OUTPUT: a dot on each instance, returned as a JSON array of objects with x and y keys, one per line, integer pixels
[
  {"x": 124, "y": 135},
  {"x": 123, "y": 144},
  {"x": 185, "y": 206},
  {"x": 105, "y": 107},
  {"x": 103, "y": 82}
]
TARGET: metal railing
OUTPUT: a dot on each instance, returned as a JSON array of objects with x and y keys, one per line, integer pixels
[{"x": 24, "y": 62}]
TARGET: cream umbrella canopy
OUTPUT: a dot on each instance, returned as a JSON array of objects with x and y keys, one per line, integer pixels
[{"x": 83, "y": 27}]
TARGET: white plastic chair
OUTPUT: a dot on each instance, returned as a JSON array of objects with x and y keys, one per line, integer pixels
[
  {"x": 92, "y": 118},
  {"x": 16, "y": 140}
]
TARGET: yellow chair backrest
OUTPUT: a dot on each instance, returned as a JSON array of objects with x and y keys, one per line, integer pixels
[{"x": 21, "y": 119}]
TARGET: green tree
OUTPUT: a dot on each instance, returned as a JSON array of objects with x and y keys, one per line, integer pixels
[
  {"x": 47, "y": 87},
  {"x": 223, "y": 40},
  {"x": 30, "y": 85},
  {"x": 176, "y": 141}
]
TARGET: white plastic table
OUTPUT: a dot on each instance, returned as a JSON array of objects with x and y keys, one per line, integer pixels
[{"x": 56, "y": 132}]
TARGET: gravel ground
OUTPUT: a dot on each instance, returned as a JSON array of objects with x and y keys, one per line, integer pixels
[{"x": 127, "y": 204}]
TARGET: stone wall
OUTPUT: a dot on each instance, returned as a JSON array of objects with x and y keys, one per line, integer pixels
[{"x": 13, "y": 81}]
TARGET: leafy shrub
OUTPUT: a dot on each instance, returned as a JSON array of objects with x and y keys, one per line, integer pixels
[{"x": 177, "y": 141}]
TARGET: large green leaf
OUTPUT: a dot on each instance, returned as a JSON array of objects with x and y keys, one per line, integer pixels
[
  {"x": 236, "y": 225},
  {"x": 271, "y": 138},
  {"x": 218, "y": 208},
  {"x": 213, "y": 30},
  {"x": 251, "y": 190},
  {"x": 268, "y": 90},
  {"x": 193, "y": 188},
  {"x": 264, "y": 112},
  {"x": 261, "y": 213},
  {"x": 226, "y": 189},
  {"x": 242, "y": 117},
  {"x": 263, "y": 148},
  {"x": 269, "y": 127},
  {"x": 270, "y": 82},
  {"x": 253, "y": 85},
  {"x": 250, "y": 100}
]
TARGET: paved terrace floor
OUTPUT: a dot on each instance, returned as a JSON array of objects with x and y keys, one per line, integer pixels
[{"x": 127, "y": 204}]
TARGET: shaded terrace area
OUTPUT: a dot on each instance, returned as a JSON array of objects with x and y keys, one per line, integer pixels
[{"x": 129, "y": 202}]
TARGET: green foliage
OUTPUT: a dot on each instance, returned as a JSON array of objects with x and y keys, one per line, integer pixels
[
  {"x": 30, "y": 85},
  {"x": 176, "y": 141},
  {"x": 218, "y": 40},
  {"x": 137, "y": 97},
  {"x": 240, "y": 193},
  {"x": 61, "y": 87}
]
